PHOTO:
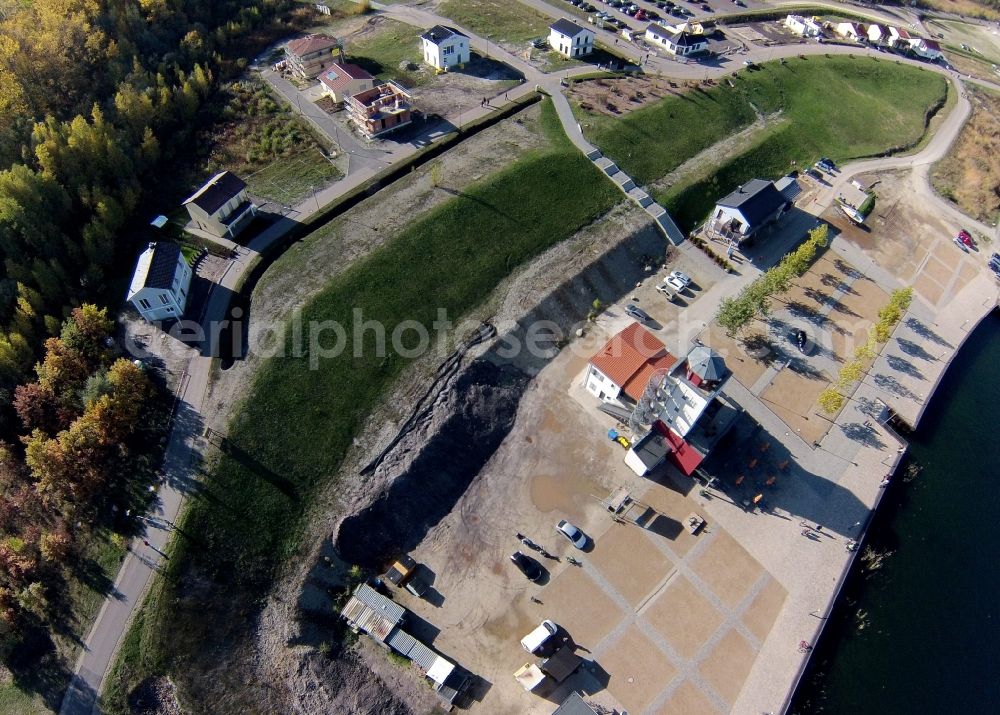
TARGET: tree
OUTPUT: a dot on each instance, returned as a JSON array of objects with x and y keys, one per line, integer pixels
[
  {"x": 830, "y": 400},
  {"x": 850, "y": 373},
  {"x": 735, "y": 315}
]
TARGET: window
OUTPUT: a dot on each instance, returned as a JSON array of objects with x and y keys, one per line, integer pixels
[
  {"x": 145, "y": 304},
  {"x": 164, "y": 299}
]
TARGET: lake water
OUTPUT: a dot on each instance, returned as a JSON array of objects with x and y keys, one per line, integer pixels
[{"x": 921, "y": 633}]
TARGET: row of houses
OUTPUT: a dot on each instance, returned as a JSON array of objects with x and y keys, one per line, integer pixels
[
  {"x": 573, "y": 40},
  {"x": 873, "y": 34}
]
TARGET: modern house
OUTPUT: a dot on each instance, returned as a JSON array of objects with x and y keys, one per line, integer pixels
[
  {"x": 681, "y": 43},
  {"x": 343, "y": 81},
  {"x": 222, "y": 207},
  {"x": 803, "y": 26},
  {"x": 898, "y": 38},
  {"x": 752, "y": 206},
  {"x": 160, "y": 282},
  {"x": 308, "y": 56},
  {"x": 680, "y": 406},
  {"x": 621, "y": 369},
  {"x": 877, "y": 34},
  {"x": 850, "y": 31},
  {"x": 928, "y": 49},
  {"x": 445, "y": 47},
  {"x": 369, "y": 612},
  {"x": 569, "y": 39},
  {"x": 383, "y": 108}
]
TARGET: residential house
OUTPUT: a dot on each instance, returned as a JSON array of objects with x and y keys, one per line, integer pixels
[
  {"x": 928, "y": 49},
  {"x": 850, "y": 31},
  {"x": 803, "y": 26},
  {"x": 622, "y": 368},
  {"x": 681, "y": 44},
  {"x": 445, "y": 47},
  {"x": 569, "y": 39},
  {"x": 898, "y": 38},
  {"x": 343, "y": 81},
  {"x": 682, "y": 408},
  {"x": 752, "y": 206},
  {"x": 789, "y": 187},
  {"x": 222, "y": 207},
  {"x": 877, "y": 34},
  {"x": 160, "y": 282},
  {"x": 308, "y": 56},
  {"x": 383, "y": 108}
]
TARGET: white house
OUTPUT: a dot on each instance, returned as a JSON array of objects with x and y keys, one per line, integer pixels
[
  {"x": 877, "y": 34},
  {"x": 343, "y": 81},
  {"x": 160, "y": 282},
  {"x": 928, "y": 49},
  {"x": 898, "y": 37},
  {"x": 222, "y": 207},
  {"x": 850, "y": 30},
  {"x": 681, "y": 44},
  {"x": 803, "y": 26},
  {"x": 624, "y": 365},
  {"x": 752, "y": 206},
  {"x": 445, "y": 47},
  {"x": 569, "y": 39}
]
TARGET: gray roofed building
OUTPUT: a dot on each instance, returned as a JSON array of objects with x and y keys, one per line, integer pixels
[
  {"x": 160, "y": 282},
  {"x": 440, "y": 33},
  {"x": 567, "y": 27},
  {"x": 371, "y": 612},
  {"x": 574, "y": 705},
  {"x": 789, "y": 187},
  {"x": 707, "y": 365},
  {"x": 749, "y": 208},
  {"x": 216, "y": 192}
]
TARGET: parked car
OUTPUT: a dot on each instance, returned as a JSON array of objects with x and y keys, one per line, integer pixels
[
  {"x": 527, "y": 565},
  {"x": 826, "y": 165},
  {"x": 575, "y": 536},
  {"x": 638, "y": 313},
  {"x": 676, "y": 285},
  {"x": 668, "y": 290},
  {"x": 534, "y": 641},
  {"x": 681, "y": 277},
  {"x": 966, "y": 238},
  {"x": 706, "y": 8}
]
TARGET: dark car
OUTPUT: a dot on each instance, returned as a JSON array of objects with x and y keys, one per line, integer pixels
[
  {"x": 527, "y": 565},
  {"x": 826, "y": 165}
]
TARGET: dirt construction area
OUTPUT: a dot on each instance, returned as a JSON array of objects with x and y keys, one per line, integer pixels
[
  {"x": 617, "y": 96},
  {"x": 666, "y": 621}
]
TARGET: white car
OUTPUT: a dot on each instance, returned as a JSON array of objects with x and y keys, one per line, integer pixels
[
  {"x": 576, "y": 537},
  {"x": 680, "y": 277},
  {"x": 667, "y": 290},
  {"x": 676, "y": 284}
]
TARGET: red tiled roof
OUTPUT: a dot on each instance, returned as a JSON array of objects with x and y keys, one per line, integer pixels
[
  {"x": 631, "y": 357},
  {"x": 311, "y": 43},
  {"x": 339, "y": 76}
]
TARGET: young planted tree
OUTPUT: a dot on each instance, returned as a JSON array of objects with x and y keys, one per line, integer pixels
[{"x": 830, "y": 400}]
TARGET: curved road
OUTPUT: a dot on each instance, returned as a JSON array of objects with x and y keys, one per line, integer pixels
[{"x": 186, "y": 439}]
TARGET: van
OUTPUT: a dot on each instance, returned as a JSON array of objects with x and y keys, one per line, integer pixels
[{"x": 534, "y": 641}]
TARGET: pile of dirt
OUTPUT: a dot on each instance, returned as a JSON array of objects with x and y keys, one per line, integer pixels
[
  {"x": 432, "y": 468},
  {"x": 614, "y": 96}
]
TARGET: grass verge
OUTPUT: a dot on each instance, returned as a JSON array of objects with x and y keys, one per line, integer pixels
[
  {"x": 297, "y": 424},
  {"x": 387, "y": 51},
  {"x": 841, "y": 107}
]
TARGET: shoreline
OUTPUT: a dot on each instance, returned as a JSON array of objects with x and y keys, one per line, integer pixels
[{"x": 962, "y": 332}]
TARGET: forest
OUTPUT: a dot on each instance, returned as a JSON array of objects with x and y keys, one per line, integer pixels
[{"x": 97, "y": 99}]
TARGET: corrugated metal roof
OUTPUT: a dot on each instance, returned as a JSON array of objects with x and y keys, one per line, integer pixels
[
  {"x": 372, "y": 612},
  {"x": 405, "y": 644}
]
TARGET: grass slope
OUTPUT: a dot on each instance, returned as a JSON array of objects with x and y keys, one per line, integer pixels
[
  {"x": 841, "y": 107},
  {"x": 298, "y": 424},
  {"x": 499, "y": 20}
]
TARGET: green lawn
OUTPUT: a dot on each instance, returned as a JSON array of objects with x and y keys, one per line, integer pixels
[
  {"x": 290, "y": 179},
  {"x": 297, "y": 424},
  {"x": 383, "y": 51},
  {"x": 506, "y": 21},
  {"x": 841, "y": 107}
]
